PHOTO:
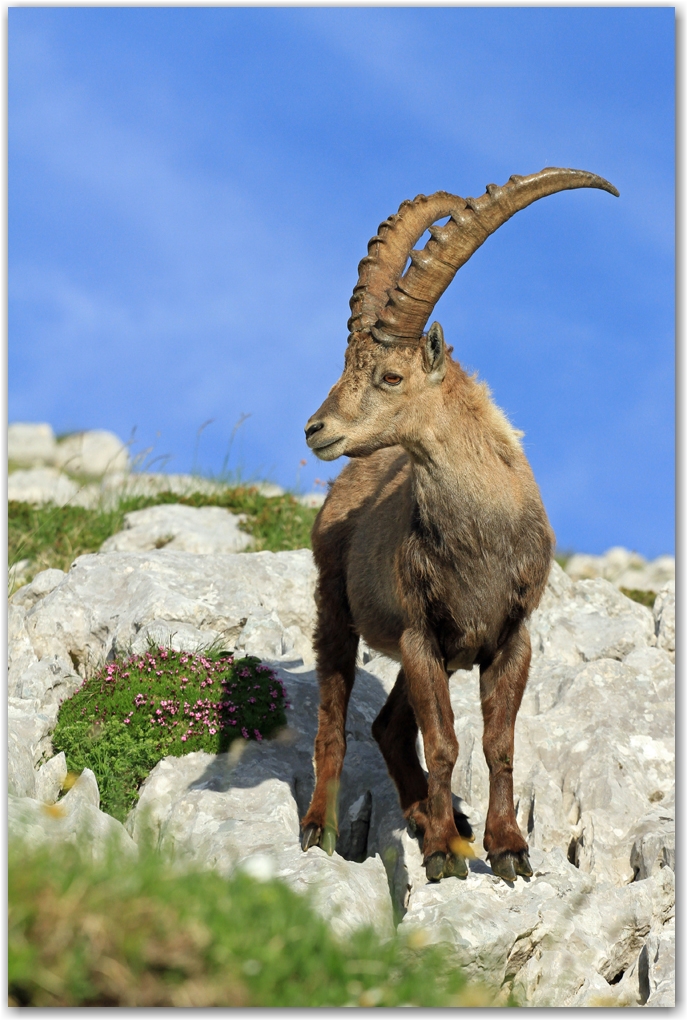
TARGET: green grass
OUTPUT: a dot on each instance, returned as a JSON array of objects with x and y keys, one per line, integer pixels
[
  {"x": 645, "y": 598},
  {"x": 134, "y": 712},
  {"x": 51, "y": 536},
  {"x": 139, "y": 934},
  {"x": 562, "y": 556}
]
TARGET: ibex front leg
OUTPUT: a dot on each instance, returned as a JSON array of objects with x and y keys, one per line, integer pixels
[
  {"x": 428, "y": 695},
  {"x": 502, "y": 685},
  {"x": 336, "y": 646}
]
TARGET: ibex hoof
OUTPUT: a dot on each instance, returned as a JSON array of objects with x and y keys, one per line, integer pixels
[
  {"x": 441, "y": 865},
  {"x": 456, "y": 866},
  {"x": 509, "y": 865},
  {"x": 310, "y": 836},
  {"x": 325, "y": 838}
]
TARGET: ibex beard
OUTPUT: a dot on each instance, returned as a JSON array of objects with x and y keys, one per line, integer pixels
[{"x": 433, "y": 544}]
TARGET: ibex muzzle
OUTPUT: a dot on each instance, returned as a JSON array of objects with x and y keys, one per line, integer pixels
[{"x": 433, "y": 544}]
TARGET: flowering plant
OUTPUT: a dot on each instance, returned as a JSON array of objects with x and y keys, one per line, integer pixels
[{"x": 136, "y": 711}]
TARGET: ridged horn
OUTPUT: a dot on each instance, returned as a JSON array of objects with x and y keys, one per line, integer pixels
[{"x": 394, "y": 308}]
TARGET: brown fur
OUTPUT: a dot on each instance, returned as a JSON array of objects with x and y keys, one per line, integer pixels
[{"x": 433, "y": 545}]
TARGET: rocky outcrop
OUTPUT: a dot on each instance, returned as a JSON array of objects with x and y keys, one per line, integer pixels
[
  {"x": 113, "y": 603},
  {"x": 594, "y": 768},
  {"x": 76, "y": 819},
  {"x": 50, "y": 485},
  {"x": 208, "y": 529},
  {"x": 93, "y": 453},
  {"x": 93, "y": 469},
  {"x": 624, "y": 569}
]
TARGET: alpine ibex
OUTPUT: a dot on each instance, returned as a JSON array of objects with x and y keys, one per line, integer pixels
[{"x": 433, "y": 544}]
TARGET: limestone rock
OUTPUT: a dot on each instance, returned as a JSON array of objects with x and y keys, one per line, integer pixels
[
  {"x": 50, "y": 778},
  {"x": 312, "y": 499},
  {"x": 208, "y": 529},
  {"x": 30, "y": 445},
  {"x": 21, "y": 775},
  {"x": 41, "y": 585},
  {"x": 94, "y": 453},
  {"x": 654, "y": 839},
  {"x": 110, "y": 601},
  {"x": 51, "y": 681},
  {"x": 41, "y": 485},
  {"x": 593, "y": 769},
  {"x": 20, "y": 653},
  {"x": 664, "y": 616},
  {"x": 656, "y": 968},
  {"x": 145, "y": 483},
  {"x": 559, "y": 939},
  {"x": 29, "y": 725},
  {"x": 76, "y": 819},
  {"x": 588, "y": 620},
  {"x": 205, "y": 809},
  {"x": 623, "y": 568}
]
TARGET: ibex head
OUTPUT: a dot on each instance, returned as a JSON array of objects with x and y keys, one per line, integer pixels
[{"x": 394, "y": 371}]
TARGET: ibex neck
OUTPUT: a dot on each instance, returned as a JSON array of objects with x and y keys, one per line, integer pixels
[{"x": 468, "y": 455}]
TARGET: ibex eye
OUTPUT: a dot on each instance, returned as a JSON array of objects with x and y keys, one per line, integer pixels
[{"x": 392, "y": 380}]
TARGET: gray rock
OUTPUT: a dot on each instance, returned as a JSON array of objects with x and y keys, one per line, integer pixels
[
  {"x": 656, "y": 968},
  {"x": 108, "y": 600},
  {"x": 95, "y": 453},
  {"x": 206, "y": 810},
  {"x": 41, "y": 485},
  {"x": 588, "y": 620},
  {"x": 30, "y": 445},
  {"x": 51, "y": 681},
  {"x": 20, "y": 653},
  {"x": 559, "y": 939},
  {"x": 41, "y": 585},
  {"x": 312, "y": 499},
  {"x": 654, "y": 839},
  {"x": 594, "y": 767},
  {"x": 75, "y": 819},
  {"x": 664, "y": 617},
  {"x": 623, "y": 568},
  {"x": 209, "y": 529},
  {"x": 21, "y": 775},
  {"x": 50, "y": 779},
  {"x": 151, "y": 483},
  {"x": 30, "y": 723}
]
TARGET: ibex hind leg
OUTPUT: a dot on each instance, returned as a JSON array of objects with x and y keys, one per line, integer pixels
[
  {"x": 444, "y": 850},
  {"x": 395, "y": 729},
  {"x": 336, "y": 646},
  {"x": 502, "y": 684}
]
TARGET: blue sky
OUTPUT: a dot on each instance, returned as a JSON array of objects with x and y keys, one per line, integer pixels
[{"x": 191, "y": 189}]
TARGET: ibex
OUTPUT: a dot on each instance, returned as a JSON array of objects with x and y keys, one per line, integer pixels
[{"x": 433, "y": 544}]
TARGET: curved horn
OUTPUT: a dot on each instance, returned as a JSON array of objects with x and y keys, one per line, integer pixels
[{"x": 395, "y": 308}]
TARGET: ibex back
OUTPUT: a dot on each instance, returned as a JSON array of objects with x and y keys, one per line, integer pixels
[{"x": 433, "y": 544}]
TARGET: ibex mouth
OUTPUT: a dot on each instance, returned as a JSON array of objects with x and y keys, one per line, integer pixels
[{"x": 330, "y": 450}]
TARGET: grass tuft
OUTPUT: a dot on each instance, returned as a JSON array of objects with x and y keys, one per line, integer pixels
[
  {"x": 51, "y": 536},
  {"x": 141, "y": 934},
  {"x": 645, "y": 598},
  {"x": 133, "y": 713}
]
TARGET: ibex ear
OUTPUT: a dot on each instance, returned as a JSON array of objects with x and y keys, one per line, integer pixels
[{"x": 434, "y": 353}]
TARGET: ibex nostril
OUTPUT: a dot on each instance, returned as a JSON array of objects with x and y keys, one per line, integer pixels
[{"x": 310, "y": 430}]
